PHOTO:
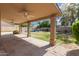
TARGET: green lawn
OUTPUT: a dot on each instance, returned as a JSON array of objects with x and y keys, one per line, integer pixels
[
  {"x": 41, "y": 35},
  {"x": 60, "y": 38}
]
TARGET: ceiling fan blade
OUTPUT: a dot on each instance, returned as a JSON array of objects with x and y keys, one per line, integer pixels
[{"x": 30, "y": 16}]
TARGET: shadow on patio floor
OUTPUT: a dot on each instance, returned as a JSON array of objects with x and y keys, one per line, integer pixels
[{"x": 16, "y": 46}]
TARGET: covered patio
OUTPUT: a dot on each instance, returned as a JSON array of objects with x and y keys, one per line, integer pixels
[{"x": 27, "y": 13}]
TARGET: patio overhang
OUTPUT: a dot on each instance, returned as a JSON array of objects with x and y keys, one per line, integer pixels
[
  {"x": 28, "y": 12},
  {"x": 15, "y": 12}
]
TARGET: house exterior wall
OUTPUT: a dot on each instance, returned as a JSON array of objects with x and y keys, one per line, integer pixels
[{"x": 6, "y": 27}]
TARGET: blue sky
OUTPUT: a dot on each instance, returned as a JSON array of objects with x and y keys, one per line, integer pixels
[
  {"x": 59, "y": 4},
  {"x": 34, "y": 23}
]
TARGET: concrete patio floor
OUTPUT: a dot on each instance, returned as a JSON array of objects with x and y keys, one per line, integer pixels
[{"x": 19, "y": 45}]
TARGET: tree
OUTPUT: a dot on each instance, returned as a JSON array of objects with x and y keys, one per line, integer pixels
[
  {"x": 44, "y": 24},
  {"x": 75, "y": 30},
  {"x": 70, "y": 13},
  {"x": 78, "y": 11},
  {"x": 64, "y": 20}
]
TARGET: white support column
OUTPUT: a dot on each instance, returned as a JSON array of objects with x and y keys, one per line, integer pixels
[
  {"x": 52, "y": 31},
  {"x": 20, "y": 28}
]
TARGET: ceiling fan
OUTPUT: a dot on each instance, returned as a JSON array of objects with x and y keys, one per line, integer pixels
[{"x": 25, "y": 12}]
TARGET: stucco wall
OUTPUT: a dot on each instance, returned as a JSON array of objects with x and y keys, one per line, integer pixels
[{"x": 7, "y": 27}]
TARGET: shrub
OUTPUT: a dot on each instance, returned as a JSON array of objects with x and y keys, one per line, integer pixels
[
  {"x": 75, "y": 30},
  {"x": 15, "y": 32}
]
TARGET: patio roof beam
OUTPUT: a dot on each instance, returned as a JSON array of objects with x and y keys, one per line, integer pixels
[{"x": 38, "y": 19}]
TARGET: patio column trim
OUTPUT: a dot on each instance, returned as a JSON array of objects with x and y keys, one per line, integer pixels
[
  {"x": 28, "y": 29},
  {"x": 52, "y": 31}
]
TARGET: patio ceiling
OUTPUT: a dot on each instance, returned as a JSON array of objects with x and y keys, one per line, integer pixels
[{"x": 19, "y": 13}]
